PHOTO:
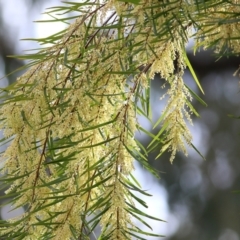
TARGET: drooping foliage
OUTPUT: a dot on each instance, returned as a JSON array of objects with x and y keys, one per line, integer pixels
[{"x": 71, "y": 118}]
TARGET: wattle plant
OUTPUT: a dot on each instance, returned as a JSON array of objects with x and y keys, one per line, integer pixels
[{"x": 71, "y": 117}]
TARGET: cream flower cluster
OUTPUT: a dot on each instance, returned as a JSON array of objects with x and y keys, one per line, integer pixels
[
  {"x": 70, "y": 118},
  {"x": 220, "y": 29}
]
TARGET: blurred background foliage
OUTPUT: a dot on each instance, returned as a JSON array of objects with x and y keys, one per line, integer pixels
[{"x": 199, "y": 193}]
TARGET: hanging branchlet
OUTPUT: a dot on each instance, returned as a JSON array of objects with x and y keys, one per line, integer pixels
[{"x": 175, "y": 114}]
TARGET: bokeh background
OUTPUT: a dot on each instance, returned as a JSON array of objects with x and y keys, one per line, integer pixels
[{"x": 196, "y": 197}]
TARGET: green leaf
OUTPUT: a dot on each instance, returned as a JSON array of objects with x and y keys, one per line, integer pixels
[
  {"x": 192, "y": 71},
  {"x": 198, "y": 151},
  {"x": 196, "y": 96},
  {"x": 136, "y": 2}
]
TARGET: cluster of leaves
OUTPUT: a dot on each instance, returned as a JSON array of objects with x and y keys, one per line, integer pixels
[{"x": 71, "y": 118}]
